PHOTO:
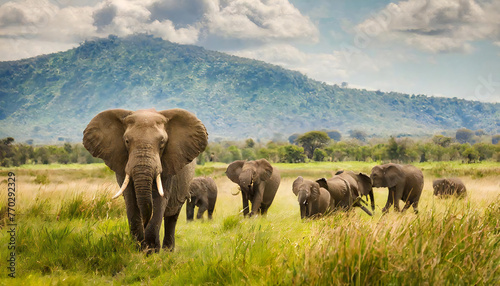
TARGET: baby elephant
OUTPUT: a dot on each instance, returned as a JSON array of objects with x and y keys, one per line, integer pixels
[
  {"x": 203, "y": 191},
  {"x": 313, "y": 199},
  {"x": 449, "y": 187}
]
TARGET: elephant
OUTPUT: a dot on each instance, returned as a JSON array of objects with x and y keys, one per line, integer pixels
[
  {"x": 405, "y": 182},
  {"x": 341, "y": 194},
  {"x": 203, "y": 194},
  {"x": 313, "y": 200},
  {"x": 361, "y": 184},
  {"x": 153, "y": 156},
  {"x": 447, "y": 187},
  {"x": 258, "y": 181}
]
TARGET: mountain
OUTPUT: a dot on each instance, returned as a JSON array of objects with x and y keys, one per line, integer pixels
[{"x": 54, "y": 96}]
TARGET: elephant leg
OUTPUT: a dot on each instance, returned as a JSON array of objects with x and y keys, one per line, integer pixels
[
  {"x": 390, "y": 199},
  {"x": 152, "y": 230},
  {"x": 133, "y": 215},
  {"x": 201, "y": 210},
  {"x": 190, "y": 211},
  {"x": 263, "y": 209},
  {"x": 406, "y": 206},
  {"x": 398, "y": 194},
  {"x": 415, "y": 207},
  {"x": 245, "y": 203},
  {"x": 257, "y": 200},
  {"x": 169, "y": 239}
]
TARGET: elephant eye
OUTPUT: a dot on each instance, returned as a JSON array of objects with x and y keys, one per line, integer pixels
[{"x": 162, "y": 142}]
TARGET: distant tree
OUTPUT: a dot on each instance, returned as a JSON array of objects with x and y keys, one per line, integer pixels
[
  {"x": 358, "y": 134},
  {"x": 480, "y": 132},
  {"x": 344, "y": 84},
  {"x": 292, "y": 154},
  {"x": 313, "y": 140},
  {"x": 392, "y": 149},
  {"x": 249, "y": 143},
  {"x": 495, "y": 139},
  {"x": 442, "y": 140},
  {"x": 471, "y": 155},
  {"x": 335, "y": 135},
  {"x": 464, "y": 135},
  {"x": 248, "y": 154},
  {"x": 319, "y": 155},
  {"x": 293, "y": 138},
  {"x": 235, "y": 152}
]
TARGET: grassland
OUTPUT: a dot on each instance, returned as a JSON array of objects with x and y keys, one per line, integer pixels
[{"x": 70, "y": 233}]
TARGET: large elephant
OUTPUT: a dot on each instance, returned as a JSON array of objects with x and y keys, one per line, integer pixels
[
  {"x": 151, "y": 153},
  {"x": 449, "y": 187},
  {"x": 203, "y": 194},
  {"x": 258, "y": 181},
  {"x": 361, "y": 184},
  {"x": 405, "y": 182},
  {"x": 313, "y": 200},
  {"x": 341, "y": 194}
]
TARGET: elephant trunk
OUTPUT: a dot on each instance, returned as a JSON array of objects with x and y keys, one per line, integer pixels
[
  {"x": 302, "y": 198},
  {"x": 143, "y": 185},
  {"x": 246, "y": 182},
  {"x": 145, "y": 170}
]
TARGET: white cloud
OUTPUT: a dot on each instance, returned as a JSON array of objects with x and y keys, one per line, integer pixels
[
  {"x": 29, "y": 28},
  {"x": 264, "y": 20},
  {"x": 435, "y": 25}
]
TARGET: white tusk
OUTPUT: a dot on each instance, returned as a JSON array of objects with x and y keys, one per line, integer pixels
[
  {"x": 159, "y": 185},
  {"x": 124, "y": 186}
]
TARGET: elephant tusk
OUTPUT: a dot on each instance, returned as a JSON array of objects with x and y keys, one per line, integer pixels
[
  {"x": 124, "y": 186},
  {"x": 159, "y": 185}
]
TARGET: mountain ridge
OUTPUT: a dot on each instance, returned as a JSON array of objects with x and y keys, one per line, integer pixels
[{"x": 55, "y": 96}]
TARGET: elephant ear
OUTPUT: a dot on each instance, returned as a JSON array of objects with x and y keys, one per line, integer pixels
[
  {"x": 265, "y": 169},
  {"x": 364, "y": 184},
  {"x": 234, "y": 169},
  {"x": 322, "y": 183},
  {"x": 103, "y": 138},
  {"x": 315, "y": 191},
  {"x": 187, "y": 138},
  {"x": 393, "y": 175},
  {"x": 296, "y": 185}
]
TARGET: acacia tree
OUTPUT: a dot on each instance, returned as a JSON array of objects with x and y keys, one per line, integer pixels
[
  {"x": 464, "y": 135},
  {"x": 313, "y": 140}
]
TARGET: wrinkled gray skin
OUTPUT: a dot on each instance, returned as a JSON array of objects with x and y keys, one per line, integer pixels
[
  {"x": 360, "y": 183},
  {"x": 258, "y": 182},
  {"x": 203, "y": 194},
  {"x": 405, "y": 182},
  {"x": 313, "y": 200},
  {"x": 142, "y": 145},
  {"x": 341, "y": 194},
  {"x": 449, "y": 187}
]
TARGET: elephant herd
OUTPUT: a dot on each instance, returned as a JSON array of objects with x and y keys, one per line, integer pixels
[{"x": 153, "y": 156}]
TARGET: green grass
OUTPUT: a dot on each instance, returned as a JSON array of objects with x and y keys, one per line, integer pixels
[{"x": 74, "y": 235}]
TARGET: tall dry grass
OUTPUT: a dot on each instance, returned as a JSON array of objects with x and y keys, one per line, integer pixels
[{"x": 70, "y": 232}]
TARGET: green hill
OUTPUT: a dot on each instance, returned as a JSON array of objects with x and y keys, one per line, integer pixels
[{"x": 54, "y": 96}]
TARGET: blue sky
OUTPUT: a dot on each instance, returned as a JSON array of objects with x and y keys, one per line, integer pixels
[{"x": 435, "y": 47}]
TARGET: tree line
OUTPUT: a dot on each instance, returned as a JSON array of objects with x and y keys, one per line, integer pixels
[
  {"x": 318, "y": 146},
  {"x": 315, "y": 146}
]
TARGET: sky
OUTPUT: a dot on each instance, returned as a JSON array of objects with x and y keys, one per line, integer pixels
[{"x": 445, "y": 48}]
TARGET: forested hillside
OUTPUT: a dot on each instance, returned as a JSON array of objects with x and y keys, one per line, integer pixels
[{"x": 53, "y": 97}]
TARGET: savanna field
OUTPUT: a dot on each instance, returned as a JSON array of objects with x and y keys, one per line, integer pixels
[{"x": 70, "y": 232}]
